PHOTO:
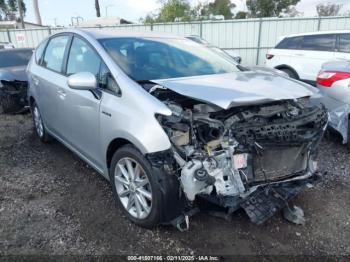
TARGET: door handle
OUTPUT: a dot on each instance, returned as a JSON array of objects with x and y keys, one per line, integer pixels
[{"x": 299, "y": 54}]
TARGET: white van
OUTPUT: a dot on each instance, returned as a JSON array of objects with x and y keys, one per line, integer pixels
[{"x": 302, "y": 55}]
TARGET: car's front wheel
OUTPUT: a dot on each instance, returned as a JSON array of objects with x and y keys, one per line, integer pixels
[
  {"x": 39, "y": 124},
  {"x": 135, "y": 188}
]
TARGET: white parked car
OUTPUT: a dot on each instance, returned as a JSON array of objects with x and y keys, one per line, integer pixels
[{"x": 302, "y": 55}]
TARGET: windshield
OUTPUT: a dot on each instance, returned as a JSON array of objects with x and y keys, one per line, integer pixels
[
  {"x": 13, "y": 58},
  {"x": 160, "y": 58}
]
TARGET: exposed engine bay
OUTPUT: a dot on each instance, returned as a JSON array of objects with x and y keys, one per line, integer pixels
[{"x": 227, "y": 155}]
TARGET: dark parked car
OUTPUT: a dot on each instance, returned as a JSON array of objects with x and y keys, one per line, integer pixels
[{"x": 13, "y": 78}]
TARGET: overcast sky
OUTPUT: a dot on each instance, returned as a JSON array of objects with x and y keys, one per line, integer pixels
[{"x": 63, "y": 10}]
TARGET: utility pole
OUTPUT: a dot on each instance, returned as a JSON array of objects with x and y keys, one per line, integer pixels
[
  {"x": 19, "y": 3},
  {"x": 37, "y": 12}
]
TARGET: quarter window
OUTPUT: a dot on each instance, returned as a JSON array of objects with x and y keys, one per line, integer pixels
[
  {"x": 82, "y": 58},
  {"x": 344, "y": 43},
  {"x": 39, "y": 52},
  {"x": 319, "y": 42},
  {"x": 107, "y": 81},
  {"x": 54, "y": 53}
]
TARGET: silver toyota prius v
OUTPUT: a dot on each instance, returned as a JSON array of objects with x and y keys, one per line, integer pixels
[{"x": 175, "y": 127}]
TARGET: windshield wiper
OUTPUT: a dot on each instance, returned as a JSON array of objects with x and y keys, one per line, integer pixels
[
  {"x": 242, "y": 68},
  {"x": 142, "y": 82}
]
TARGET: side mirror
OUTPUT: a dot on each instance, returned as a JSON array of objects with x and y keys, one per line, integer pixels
[{"x": 82, "y": 81}]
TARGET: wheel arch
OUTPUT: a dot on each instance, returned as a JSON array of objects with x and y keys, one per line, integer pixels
[
  {"x": 284, "y": 66},
  {"x": 113, "y": 146}
]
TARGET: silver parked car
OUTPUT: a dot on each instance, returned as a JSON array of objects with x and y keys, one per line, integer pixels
[
  {"x": 171, "y": 124},
  {"x": 333, "y": 82}
]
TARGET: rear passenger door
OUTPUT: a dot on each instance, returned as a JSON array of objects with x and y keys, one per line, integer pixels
[
  {"x": 49, "y": 79},
  {"x": 314, "y": 51}
]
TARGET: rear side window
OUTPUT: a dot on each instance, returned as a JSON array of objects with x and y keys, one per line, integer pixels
[
  {"x": 39, "y": 52},
  {"x": 344, "y": 43},
  {"x": 54, "y": 54},
  {"x": 290, "y": 43},
  {"x": 319, "y": 42}
]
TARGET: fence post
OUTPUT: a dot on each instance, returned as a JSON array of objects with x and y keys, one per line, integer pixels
[
  {"x": 319, "y": 23},
  {"x": 8, "y": 35},
  {"x": 49, "y": 29},
  {"x": 259, "y": 40},
  {"x": 151, "y": 26},
  {"x": 201, "y": 28}
]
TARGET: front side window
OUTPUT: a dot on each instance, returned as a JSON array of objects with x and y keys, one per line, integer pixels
[
  {"x": 82, "y": 58},
  {"x": 344, "y": 43},
  {"x": 319, "y": 42},
  {"x": 160, "y": 58},
  {"x": 54, "y": 54},
  {"x": 13, "y": 58},
  {"x": 290, "y": 43}
]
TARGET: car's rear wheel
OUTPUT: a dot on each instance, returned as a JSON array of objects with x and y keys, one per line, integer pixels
[
  {"x": 290, "y": 73},
  {"x": 135, "y": 188},
  {"x": 39, "y": 124}
]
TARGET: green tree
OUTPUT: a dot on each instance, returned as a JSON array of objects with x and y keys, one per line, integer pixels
[
  {"x": 174, "y": 10},
  {"x": 241, "y": 15},
  {"x": 221, "y": 7},
  {"x": 269, "y": 8},
  {"x": 328, "y": 9},
  {"x": 9, "y": 9}
]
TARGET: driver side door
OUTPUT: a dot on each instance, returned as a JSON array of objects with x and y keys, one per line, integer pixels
[{"x": 80, "y": 109}]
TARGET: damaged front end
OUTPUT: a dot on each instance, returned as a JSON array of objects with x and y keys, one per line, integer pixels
[
  {"x": 254, "y": 156},
  {"x": 13, "y": 96}
]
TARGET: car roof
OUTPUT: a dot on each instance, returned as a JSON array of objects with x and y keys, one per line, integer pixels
[
  {"x": 320, "y": 33},
  {"x": 102, "y": 34}
]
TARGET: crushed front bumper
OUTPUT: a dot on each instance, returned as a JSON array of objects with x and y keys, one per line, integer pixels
[{"x": 265, "y": 200}]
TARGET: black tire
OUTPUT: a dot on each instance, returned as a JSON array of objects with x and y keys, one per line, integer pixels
[
  {"x": 44, "y": 135},
  {"x": 290, "y": 73},
  {"x": 154, "y": 216},
  {"x": 9, "y": 105}
]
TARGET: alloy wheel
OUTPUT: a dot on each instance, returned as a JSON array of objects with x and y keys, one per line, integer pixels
[
  {"x": 38, "y": 122},
  {"x": 133, "y": 188}
]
